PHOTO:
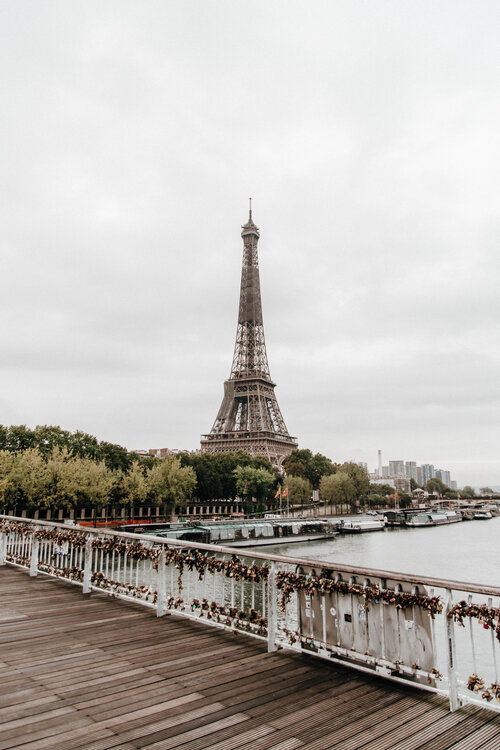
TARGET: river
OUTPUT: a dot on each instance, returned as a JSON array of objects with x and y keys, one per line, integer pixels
[{"x": 466, "y": 551}]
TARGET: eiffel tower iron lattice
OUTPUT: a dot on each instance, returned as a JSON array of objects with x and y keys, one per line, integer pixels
[{"x": 249, "y": 417}]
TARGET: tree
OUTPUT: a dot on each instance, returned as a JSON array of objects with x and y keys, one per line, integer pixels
[
  {"x": 135, "y": 485},
  {"x": 48, "y": 437},
  {"x": 63, "y": 480},
  {"x": 254, "y": 483},
  {"x": 115, "y": 456},
  {"x": 84, "y": 445},
  {"x": 6, "y": 466},
  {"x": 215, "y": 471},
  {"x": 95, "y": 482},
  {"x": 468, "y": 491},
  {"x": 435, "y": 485},
  {"x": 359, "y": 477},
  {"x": 382, "y": 489},
  {"x": 486, "y": 491},
  {"x": 296, "y": 469},
  {"x": 302, "y": 463},
  {"x": 299, "y": 490},
  {"x": 4, "y": 433},
  {"x": 171, "y": 484},
  {"x": 28, "y": 479},
  {"x": 413, "y": 484},
  {"x": 19, "y": 438},
  {"x": 404, "y": 500},
  {"x": 337, "y": 489}
]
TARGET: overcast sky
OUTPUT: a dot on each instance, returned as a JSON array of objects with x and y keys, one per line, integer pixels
[{"x": 132, "y": 135}]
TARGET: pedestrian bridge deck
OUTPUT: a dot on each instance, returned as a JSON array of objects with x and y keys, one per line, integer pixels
[{"x": 97, "y": 673}]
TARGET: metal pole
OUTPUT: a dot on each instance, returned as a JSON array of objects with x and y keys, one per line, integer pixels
[
  {"x": 87, "y": 566},
  {"x": 272, "y": 619},
  {"x": 34, "y": 556},
  {"x": 161, "y": 595},
  {"x": 3, "y": 547},
  {"x": 451, "y": 655}
]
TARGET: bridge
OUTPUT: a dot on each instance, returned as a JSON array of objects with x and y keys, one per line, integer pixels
[{"x": 102, "y": 671}]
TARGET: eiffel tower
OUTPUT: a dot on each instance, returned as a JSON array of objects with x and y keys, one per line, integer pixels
[{"x": 249, "y": 417}]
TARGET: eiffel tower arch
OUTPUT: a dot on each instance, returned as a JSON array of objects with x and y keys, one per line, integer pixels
[{"x": 249, "y": 417}]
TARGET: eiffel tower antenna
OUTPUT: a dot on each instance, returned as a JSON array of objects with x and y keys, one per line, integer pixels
[{"x": 249, "y": 417}]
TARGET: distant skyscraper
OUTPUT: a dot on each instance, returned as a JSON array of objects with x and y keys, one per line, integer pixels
[
  {"x": 363, "y": 465},
  {"x": 379, "y": 471},
  {"x": 385, "y": 471},
  {"x": 444, "y": 476},
  {"x": 427, "y": 472},
  {"x": 411, "y": 470},
  {"x": 419, "y": 476},
  {"x": 397, "y": 468}
]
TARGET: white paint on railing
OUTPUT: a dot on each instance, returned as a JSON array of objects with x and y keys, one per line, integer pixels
[{"x": 372, "y": 638}]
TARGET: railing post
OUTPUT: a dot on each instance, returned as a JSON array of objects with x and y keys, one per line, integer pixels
[
  {"x": 161, "y": 582},
  {"x": 87, "y": 566},
  {"x": 272, "y": 618},
  {"x": 35, "y": 546},
  {"x": 3, "y": 547},
  {"x": 451, "y": 654}
]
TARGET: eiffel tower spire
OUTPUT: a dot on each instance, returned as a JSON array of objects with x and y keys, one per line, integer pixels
[{"x": 249, "y": 417}]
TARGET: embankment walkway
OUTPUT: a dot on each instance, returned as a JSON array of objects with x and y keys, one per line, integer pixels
[{"x": 96, "y": 673}]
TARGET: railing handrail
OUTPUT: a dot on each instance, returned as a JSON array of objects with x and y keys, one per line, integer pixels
[{"x": 356, "y": 570}]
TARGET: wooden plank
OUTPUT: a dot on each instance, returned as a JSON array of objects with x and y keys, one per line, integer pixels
[
  {"x": 433, "y": 730},
  {"x": 115, "y": 677},
  {"x": 480, "y": 738},
  {"x": 463, "y": 729}
]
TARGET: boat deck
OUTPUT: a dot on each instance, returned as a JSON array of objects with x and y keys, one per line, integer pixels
[{"x": 97, "y": 673}]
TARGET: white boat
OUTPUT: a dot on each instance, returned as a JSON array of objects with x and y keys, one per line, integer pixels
[
  {"x": 451, "y": 515},
  {"x": 419, "y": 519},
  {"x": 482, "y": 515},
  {"x": 362, "y": 524}
]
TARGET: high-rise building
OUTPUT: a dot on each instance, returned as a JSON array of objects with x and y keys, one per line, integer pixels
[
  {"x": 411, "y": 470},
  {"x": 427, "y": 472},
  {"x": 397, "y": 468},
  {"x": 444, "y": 476},
  {"x": 419, "y": 476},
  {"x": 249, "y": 417},
  {"x": 385, "y": 471}
]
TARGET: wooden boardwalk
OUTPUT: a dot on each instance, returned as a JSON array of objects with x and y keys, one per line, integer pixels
[{"x": 96, "y": 673}]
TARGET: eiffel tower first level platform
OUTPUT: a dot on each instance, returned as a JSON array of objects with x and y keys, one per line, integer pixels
[{"x": 249, "y": 417}]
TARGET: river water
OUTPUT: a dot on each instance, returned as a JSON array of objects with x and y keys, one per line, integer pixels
[{"x": 467, "y": 551}]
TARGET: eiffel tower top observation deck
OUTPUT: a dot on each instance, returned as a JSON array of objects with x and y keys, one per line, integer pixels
[{"x": 249, "y": 417}]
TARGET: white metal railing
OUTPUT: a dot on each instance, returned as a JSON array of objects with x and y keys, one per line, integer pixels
[{"x": 404, "y": 627}]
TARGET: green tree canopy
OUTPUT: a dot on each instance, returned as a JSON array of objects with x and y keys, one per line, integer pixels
[
  {"x": 171, "y": 484},
  {"x": 435, "y": 485},
  {"x": 135, "y": 485},
  {"x": 303, "y": 463},
  {"x": 215, "y": 472},
  {"x": 382, "y": 489},
  {"x": 337, "y": 489},
  {"x": 255, "y": 483},
  {"x": 299, "y": 490},
  {"x": 468, "y": 491},
  {"x": 359, "y": 477}
]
